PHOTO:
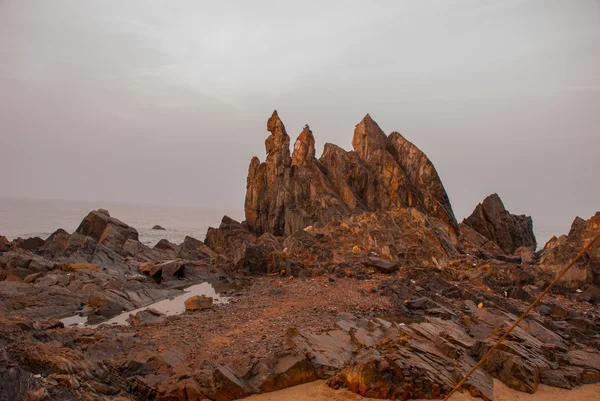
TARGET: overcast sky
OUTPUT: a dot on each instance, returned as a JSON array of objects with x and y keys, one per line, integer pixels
[{"x": 166, "y": 101}]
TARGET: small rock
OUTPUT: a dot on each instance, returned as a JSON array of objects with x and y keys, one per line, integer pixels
[
  {"x": 40, "y": 394},
  {"x": 543, "y": 309},
  {"x": 145, "y": 268},
  {"x": 198, "y": 302},
  {"x": 276, "y": 291},
  {"x": 381, "y": 265},
  {"x": 157, "y": 227},
  {"x": 84, "y": 340},
  {"x": 78, "y": 267},
  {"x": 66, "y": 380},
  {"x": 32, "y": 277},
  {"x": 147, "y": 316}
]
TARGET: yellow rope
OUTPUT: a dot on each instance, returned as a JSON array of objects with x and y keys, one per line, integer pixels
[{"x": 516, "y": 323}]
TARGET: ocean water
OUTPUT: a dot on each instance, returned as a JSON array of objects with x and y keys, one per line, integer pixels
[
  {"x": 34, "y": 217},
  {"x": 40, "y": 218}
]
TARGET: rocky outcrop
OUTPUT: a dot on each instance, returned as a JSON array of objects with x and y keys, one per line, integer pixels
[
  {"x": 192, "y": 248},
  {"x": 558, "y": 252},
  {"x": 31, "y": 243},
  {"x": 106, "y": 230},
  {"x": 56, "y": 243},
  {"x": 4, "y": 244},
  {"x": 285, "y": 194},
  {"x": 491, "y": 220}
]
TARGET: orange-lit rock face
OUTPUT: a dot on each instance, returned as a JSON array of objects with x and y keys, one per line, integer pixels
[
  {"x": 304, "y": 148},
  {"x": 558, "y": 252},
  {"x": 285, "y": 194}
]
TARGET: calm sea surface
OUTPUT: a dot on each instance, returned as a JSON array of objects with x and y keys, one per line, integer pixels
[{"x": 30, "y": 218}]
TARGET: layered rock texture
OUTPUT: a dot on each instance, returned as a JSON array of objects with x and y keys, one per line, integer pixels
[
  {"x": 559, "y": 251},
  {"x": 491, "y": 220},
  {"x": 288, "y": 193},
  {"x": 349, "y": 268}
]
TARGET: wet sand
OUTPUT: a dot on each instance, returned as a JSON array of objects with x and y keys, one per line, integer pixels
[{"x": 319, "y": 391}]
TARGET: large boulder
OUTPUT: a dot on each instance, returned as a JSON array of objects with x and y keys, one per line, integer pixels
[
  {"x": 106, "y": 230},
  {"x": 166, "y": 245},
  {"x": 194, "y": 249},
  {"x": 4, "y": 244},
  {"x": 491, "y": 219},
  {"x": 229, "y": 239},
  {"x": 56, "y": 243},
  {"x": 31, "y": 243},
  {"x": 198, "y": 302}
]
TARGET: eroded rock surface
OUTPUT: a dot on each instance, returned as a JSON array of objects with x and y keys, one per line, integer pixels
[
  {"x": 491, "y": 219},
  {"x": 353, "y": 269},
  {"x": 286, "y": 194},
  {"x": 558, "y": 252}
]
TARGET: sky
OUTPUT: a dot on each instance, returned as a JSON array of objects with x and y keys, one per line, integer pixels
[{"x": 166, "y": 102}]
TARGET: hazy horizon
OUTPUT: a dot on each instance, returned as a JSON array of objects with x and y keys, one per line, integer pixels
[{"x": 165, "y": 104}]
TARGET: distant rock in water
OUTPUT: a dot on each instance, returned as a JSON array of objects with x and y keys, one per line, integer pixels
[
  {"x": 157, "y": 227},
  {"x": 491, "y": 219},
  {"x": 288, "y": 193}
]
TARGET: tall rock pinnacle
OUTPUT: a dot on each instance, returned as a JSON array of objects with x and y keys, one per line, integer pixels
[
  {"x": 277, "y": 145},
  {"x": 368, "y": 137},
  {"x": 304, "y": 148}
]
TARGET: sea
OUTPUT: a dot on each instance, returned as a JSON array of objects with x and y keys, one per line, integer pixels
[{"x": 39, "y": 218}]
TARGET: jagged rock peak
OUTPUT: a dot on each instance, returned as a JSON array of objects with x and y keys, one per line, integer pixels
[
  {"x": 277, "y": 146},
  {"x": 285, "y": 194},
  {"x": 304, "y": 148},
  {"x": 368, "y": 137},
  {"x": 279, "y": 136},
  {"x": 558, "y": 252},
  {"x": 426, "y": 188},
  {"x": 274, "y": 122},
  {"x": 491, "y": 219}
]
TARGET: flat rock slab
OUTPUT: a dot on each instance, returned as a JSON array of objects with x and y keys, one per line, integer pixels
[{"x": 381, "y": 265}]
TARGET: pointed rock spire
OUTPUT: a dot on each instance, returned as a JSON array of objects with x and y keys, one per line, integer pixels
[
  {"x": 277, "y": 145},
  {"x": 368, "y": 137},
  {"x": 279, "y": 137},
  {"x": 304, "y": 148}
]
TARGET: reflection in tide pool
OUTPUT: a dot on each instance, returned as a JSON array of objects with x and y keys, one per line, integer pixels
[{"x": 172, "y": 306}]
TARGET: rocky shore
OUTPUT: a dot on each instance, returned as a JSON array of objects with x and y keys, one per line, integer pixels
[{"x": 350, "y": 268}]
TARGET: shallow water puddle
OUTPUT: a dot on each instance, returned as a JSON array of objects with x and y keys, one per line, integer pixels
[{"x": 169, "y": 306}]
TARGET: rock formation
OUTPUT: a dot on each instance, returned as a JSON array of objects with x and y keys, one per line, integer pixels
[
  {"x": 106, "y": 230},
  {"x": 285, "y": 194},
  {"x": 491, "y": 220},
  {"x": 366, "y": 282},
  {"x": 559, "y": 251}
]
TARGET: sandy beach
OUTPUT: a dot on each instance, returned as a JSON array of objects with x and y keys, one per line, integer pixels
[{"x": 319, "y": 391}]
